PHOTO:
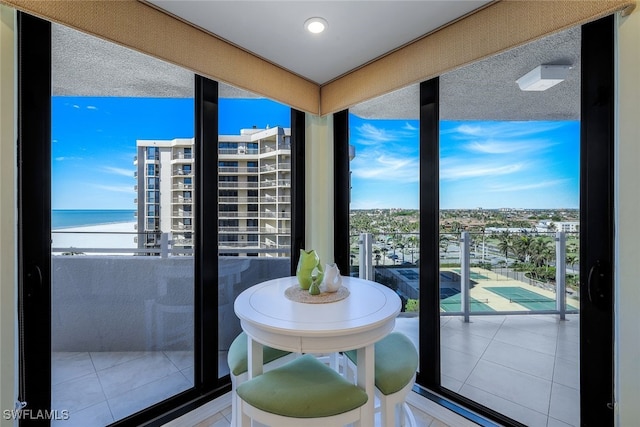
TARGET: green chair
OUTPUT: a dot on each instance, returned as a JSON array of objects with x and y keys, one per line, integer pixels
[
  {"x": 237, "y": 359},
  {"x": 303, "y": 392},
  {"x": 396, "y": 363}
]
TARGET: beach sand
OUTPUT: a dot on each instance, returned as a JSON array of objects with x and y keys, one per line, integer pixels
[{"x": 117, "y": 235}]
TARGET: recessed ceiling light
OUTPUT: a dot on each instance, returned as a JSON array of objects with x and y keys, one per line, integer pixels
[{"x": 315, "y": 25}]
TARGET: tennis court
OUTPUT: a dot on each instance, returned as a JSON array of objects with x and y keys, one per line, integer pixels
[
  {"x": 454, "y": 303},
  {"x": 474, "y": 275},
  {"x": 526, "y": 298}
]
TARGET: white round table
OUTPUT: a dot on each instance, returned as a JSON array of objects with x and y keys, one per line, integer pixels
[{"x": 364, "y": 317}]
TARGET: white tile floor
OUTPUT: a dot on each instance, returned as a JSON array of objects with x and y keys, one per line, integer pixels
[
  {"x": 523, "y": 366},
  {"x": 100, "y": 387},
  {"x": 222, "y": 419}
]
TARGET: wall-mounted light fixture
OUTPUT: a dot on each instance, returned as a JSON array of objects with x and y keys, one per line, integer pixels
[
  {"x": 543, "y": 77},
  {"x": 315, "y": 25}
]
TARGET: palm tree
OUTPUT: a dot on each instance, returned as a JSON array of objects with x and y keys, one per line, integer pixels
[
  {"x": 401, "y": 247},
  {"x": 522, "y": 247},
  {"x": 444, "y": 242},
  {"x": 384, "y": 254},
  {"x": 505, "y": 244}
]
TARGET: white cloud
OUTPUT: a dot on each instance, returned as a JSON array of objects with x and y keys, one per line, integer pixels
[
  {"x": 388, "y": 168},
  {"x": 118, "y": 171},
  {"x": 504, "y": 130},
  {"x": 491, "y": 146},
  {"x": 477, "y": 170},
  {"x": 91, "y": 107},
  {"x": 409, "y": 126},
  {"x": 368, "y": 134},
  {"x": 116, "y": 188},
  {"x": 531, "y": 186}
]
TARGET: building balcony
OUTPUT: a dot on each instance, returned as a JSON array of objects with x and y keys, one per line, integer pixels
[
  {"x": 182, "y": 200},
  {"x": 273, "y": 149},
  {"x": 241, "y": 151},
  {"x": 275, "y": 183},
  {"x": 237, "y": 170},
  {"x": 274, "y": 199},
  {"x": 275, "y": 167},
  {"x": 182, "y": 156},
  {"x": 236, "y": 200},
  {"x": 236, "y": 184},
  {"x": 182, "y": 186},
  {"x": 226, "y": 214}
]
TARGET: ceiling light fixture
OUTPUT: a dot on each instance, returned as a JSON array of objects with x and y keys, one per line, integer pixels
[
  {"x": 315, "y": 25},
  {"x": 543, "y": 77}
]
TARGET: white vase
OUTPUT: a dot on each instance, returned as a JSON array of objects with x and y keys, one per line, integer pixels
[{"x": 332, "y": 279}]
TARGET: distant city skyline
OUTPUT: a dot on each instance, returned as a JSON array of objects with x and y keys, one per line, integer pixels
[{"x": 482, "y": 164}]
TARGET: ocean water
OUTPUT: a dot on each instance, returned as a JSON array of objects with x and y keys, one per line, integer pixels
[{"x": 65, "y": 218}]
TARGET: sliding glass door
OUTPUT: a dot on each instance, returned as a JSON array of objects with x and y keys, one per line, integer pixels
[
  {"x": 132, "y": 248},
  {"x": 506, "y": 293},
  {"x": 523, "y": 293}
]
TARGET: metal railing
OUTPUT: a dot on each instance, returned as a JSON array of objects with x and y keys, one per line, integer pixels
[
  {"x": 164, "y": 245},
  {"x": 472, "y": 257}
]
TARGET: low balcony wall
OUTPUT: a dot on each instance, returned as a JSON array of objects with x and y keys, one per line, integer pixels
[{"x": 138, "y": 303}]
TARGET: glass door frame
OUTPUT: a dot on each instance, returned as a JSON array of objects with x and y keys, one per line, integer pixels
[
  {"x": 34, "y": 233},
  {"x": 596, "y": 237}
]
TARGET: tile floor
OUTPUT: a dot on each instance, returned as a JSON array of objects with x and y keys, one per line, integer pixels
[
  {"x": 523, "y": 366},
  {"x": 222, "y": 419},
  {"x": 526, "y": 367}
]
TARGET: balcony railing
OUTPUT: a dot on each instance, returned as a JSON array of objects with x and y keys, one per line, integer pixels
[
  {"x": 275, "y": 183},
  {"x": 271, "y": 148},
  {"x": 187, "y": 200},
  {"x": 236, "y": 199},
  {"x": 182, "y": 186},
  {"x": 238, "y": 151},
  {"x": 476, "y": 276},
  {"x": 275, "y": 167},
  {"x": 238, "y": 169},
  {"x": 236, "y": 184}
]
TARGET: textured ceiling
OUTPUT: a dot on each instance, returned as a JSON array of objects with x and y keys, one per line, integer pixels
[{"x": 486, "y": 90}]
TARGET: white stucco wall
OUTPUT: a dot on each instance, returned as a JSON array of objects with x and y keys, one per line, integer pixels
[
  {"x": 627, "y": 339},
  {"x": 8, "y": 313}
]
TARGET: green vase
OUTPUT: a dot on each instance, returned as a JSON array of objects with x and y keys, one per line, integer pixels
[
  {"x": 314, "y": 289},
  {"x": 309, "y": 269}
]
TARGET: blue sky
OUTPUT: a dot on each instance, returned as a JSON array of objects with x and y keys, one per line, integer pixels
[
  {"x": 482, "y": 164},
  {"x": 94, "y": 141}
]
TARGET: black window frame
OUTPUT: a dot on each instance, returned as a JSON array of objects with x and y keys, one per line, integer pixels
[{"x": 34, "y": 241}]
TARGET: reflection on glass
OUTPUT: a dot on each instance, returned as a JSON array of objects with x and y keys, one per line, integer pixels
[
  {"x": 509, "y": 240},
  {"x": 384, "y": 213},
  {"x": 254, "y": 201},
  {"x": 122, "y": 265}
]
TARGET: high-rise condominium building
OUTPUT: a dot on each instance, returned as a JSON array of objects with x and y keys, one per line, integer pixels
[{"x": 254, "y": 192}]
